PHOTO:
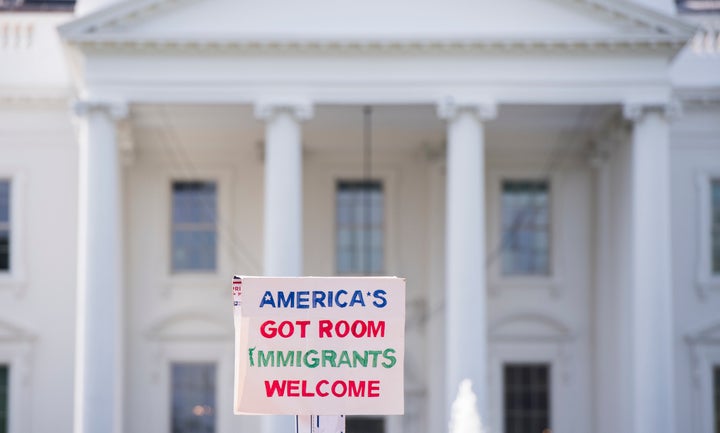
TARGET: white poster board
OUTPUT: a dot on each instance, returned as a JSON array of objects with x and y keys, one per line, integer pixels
[{"x": 319, "y": 345}]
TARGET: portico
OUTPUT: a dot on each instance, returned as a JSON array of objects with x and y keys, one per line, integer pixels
[{"x": 452, "y": 92}]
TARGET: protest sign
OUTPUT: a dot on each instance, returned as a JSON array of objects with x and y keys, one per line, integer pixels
[{"x": 319, "y": 345}]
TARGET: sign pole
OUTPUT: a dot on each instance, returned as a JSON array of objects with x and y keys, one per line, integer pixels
[{"x": 319, "y": 423}]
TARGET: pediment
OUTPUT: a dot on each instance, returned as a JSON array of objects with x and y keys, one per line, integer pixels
[
  {"x": 278, "y": 23},
  {"x": 529, "y": 326},
  {"x": 191, "y": 326}
]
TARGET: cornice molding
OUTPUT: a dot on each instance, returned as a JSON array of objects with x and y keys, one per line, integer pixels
[
  {"x": 660, "y": 43},
  {"x": 663, "y": 32}
]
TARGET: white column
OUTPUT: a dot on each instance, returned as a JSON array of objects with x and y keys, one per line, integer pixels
[
  {"x": 98, "y": 360},
  {"x": 283, "y": 203},
  {"x": 650, "y": 272},
  {"x": 465, "y": 311}
]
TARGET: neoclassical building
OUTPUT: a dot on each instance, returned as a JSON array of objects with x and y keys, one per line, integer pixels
[{"x": 544, "y": 173}]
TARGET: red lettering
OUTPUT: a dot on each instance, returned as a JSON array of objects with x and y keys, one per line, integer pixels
[
  {"x": 357, "y": 333},
  {"x": 275, "y": 388},
  {"x": 303, "y": 326},
  {"x": 325, "y": 328},
  {"x": 342, "y": 332},
  {"x": 268, "y": 333},
  {"x": 338, "y": 388},
  {"x": 305, "y": 392},
  {"x": 356, "y": 389},
  {"x": 286, "y": 329},
  {"x": 374, "y": 388},
  {"x": 320, "y": 392},
  {"x": 374, "y": 330},
  {"x": 334, "y": 387},
  {"x": 293, "y": 388}
]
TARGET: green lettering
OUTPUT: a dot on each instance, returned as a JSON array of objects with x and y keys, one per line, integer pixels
[
  {"x": 344, "y": 359},
  {"x": 361, "y": 359},
  {"x": 266, "y": 359}
]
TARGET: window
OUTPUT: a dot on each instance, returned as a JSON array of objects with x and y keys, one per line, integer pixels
[
  {"x": 359, "y": 240},
  {"x": 525, "y": 220},
  {"x": 194, "y": 231},
  {"x": 527, "y": 397},
  {"x": 716, "y": 388},
  {"x": 364, "y": 424},
  {"x": 4, "y": 225},
  {"x": 698, "y": 6},
  {"x": 715, "y": 224},
  {"x": 43, "y": 5},
  {"x": 4, "y": 397},
  {"x": 193, "y": 397}
]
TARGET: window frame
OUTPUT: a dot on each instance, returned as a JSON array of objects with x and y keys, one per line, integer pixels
[
  {"x": 715, "y": 378},
  {"x": 14, "y": 278},
  {"x": 497, "y": 281},
  {"x": 17, "y": 353},
  {"x": 706, "y": 281},
  {"x": 529, "y": 352},
  {"x": 704, "y": 347},
  {"x": 22, "y": 6},
  {"x": 215, "y": 279},
  {"x": 5, "y": 409},
  {"x": 500, "y": 248},
  {"x": 217, "y": 383},
  {"x": 319, "y": 196},
  {"x": 216, "y": 226},
  {"x": 336, "y": 226},
  {"x": 8, "y": 223},
  {"x": 550, "y": 374}
]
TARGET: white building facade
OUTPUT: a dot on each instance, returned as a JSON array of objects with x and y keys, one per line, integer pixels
[{"x": 545, "y": 174}]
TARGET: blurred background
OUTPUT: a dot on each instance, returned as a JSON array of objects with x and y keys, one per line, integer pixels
[{"x": 545, "y": 174}]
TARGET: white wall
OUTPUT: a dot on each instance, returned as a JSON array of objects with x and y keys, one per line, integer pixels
[
  {"x": 696, "y": 158},
  {"x": 37, "y": 299},
  {"x": 32, "y": 59}
]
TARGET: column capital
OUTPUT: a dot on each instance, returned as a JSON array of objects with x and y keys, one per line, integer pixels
[
  {"x": 115, "y": 109},
  {"x": 635, "y": 110},
  {"x": 301, "y": 109},
  {"x": 449, "y": 109}
]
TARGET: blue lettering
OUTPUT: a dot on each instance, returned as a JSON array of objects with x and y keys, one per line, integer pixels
[
  {"x": 318, "y": 299},
  {"x": 284, "y": 301},
  {"x": 267, "y": 299},
  {"x": 303, "y": 300},
  {"x": 380, "y": 300},
  {"x": 341, "y": 304},
  {"x": 357, "y": 298}
]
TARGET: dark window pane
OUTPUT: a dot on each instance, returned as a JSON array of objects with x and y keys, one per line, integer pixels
[
  {"x": 4, "y": 250},
  {"x": 5, "y": 225},
  {"x": 363, "y": 424},
  {"x": 4, "y": 201},
  {"x": 37, "y": 4},
  {"x": 525, "y": 219},
  {"x": 715, "y": 220},
  {"x": 360, "y": 232},
  {"x": 527, "y": 397},
  {"x": 4, "y": 397},
  {"x": 716, "y": 373},
  {"x": 193, "y": 397},
  {"x": 194, "y": 232}
]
